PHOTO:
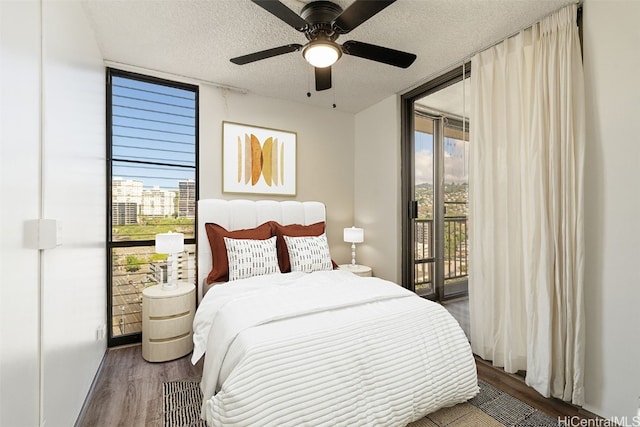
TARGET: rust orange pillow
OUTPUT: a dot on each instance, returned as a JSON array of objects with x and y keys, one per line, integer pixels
[
  {"x": 216, "y": 234},
  {"x": 293, "y": 230}
]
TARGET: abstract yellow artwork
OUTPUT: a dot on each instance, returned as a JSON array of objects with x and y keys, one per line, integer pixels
[{"x": 258, "y": 160}]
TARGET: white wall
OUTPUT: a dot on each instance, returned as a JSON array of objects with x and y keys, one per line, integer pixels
[
  {"x": 324, "y": 152},
  {"x": 612, "y": 204},
  {"x": 19, "y": 196},
  {"x": 377, "y": 205},
  {"x": 74, "y": 192},
  {"x": 53, "y": 300}
]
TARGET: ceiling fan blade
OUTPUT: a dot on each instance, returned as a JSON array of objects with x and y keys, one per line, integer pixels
[
  {"x": 323, "y": 78},
  {"x": 378, "y": 53},
  {"x": 264, "y": 54},
  {"x": 282, "y": 12},
  {"x": 358, "y": 12}
]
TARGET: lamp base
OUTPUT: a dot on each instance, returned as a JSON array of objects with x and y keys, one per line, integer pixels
[
  {"x": 169, "y": 286},
  {"x": 353, "y": 255}
]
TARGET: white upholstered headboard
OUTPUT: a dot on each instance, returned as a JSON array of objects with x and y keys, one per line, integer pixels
[{"x": 239, "y": 214}]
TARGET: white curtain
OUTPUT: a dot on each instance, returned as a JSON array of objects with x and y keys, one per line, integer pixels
[{"x": 526, "y": 206}]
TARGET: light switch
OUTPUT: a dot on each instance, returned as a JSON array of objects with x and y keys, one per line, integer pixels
[{"x": 42, "y": 233}]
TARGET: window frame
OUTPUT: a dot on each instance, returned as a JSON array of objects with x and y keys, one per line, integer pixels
[{"x": 110, "y": 244}]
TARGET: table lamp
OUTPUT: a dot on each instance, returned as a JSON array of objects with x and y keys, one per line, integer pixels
[
  {"x": 353, "y": 235},
  {"x": 170, "y": 244}
]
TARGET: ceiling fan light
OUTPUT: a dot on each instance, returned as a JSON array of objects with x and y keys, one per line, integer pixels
[{"x": 322, "y": 54}]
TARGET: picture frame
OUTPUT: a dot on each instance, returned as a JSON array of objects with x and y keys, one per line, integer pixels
[{"x": 258, "y": 160}]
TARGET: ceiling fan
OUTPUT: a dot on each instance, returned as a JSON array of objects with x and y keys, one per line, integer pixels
[{"x": 322, "y": 22}]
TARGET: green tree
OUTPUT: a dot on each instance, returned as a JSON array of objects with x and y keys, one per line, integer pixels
[{"x": 133, "y": 263}]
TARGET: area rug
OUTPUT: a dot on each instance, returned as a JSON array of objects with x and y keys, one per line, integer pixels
[
  {"x": 490, "y": 408},
  {"x": 181, "y": 401}
]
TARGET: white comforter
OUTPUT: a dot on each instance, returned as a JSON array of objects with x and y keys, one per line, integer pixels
[{"x": 327, "y": 349}]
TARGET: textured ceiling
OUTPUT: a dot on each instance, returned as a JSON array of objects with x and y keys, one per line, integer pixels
[{"x": 196, "y": 39}]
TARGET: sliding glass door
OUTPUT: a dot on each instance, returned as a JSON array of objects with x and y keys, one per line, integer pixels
[
  {"x": 455, "y": 188},
  {"x": 435, "y": 189},
  {"x": 424, "y": 208}
]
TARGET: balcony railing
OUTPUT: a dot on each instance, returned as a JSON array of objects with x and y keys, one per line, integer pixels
[
  {"x": 456, "y": 250},
  {"x": 135, "y": 268}
]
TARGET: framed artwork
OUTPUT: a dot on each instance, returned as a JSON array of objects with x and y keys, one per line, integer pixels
[{"x": 258, "y": 160}]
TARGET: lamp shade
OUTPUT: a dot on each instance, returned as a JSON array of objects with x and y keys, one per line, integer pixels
[
  {"x": 169, "y": 243},
  {"x": 322, "y": 53},
  {"x": 354, "y": 235}
]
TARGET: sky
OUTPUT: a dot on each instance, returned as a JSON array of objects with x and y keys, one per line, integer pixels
[
  {"x": 456, "y": 157},
  {"x": 153, "y": 123}
]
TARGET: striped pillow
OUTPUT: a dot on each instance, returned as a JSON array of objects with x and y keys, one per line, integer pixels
[
  {"x": 248, "y": 257},
  {"x": 309, "y": 253}
]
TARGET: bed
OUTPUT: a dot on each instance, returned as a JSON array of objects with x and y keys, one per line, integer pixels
[{"x": 317, "y": 348}]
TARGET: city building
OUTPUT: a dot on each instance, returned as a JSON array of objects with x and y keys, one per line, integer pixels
[
  {"x": 124, "y": 213},
  {"x": 187, "y": 199},
  {"x": 126, "y": 190},
  {"x": 158, "y": 203}
]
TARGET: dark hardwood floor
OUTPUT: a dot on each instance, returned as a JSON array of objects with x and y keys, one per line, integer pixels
[
  {"x": 516, "y": 387},
  {"x": 128, "y": 390}
]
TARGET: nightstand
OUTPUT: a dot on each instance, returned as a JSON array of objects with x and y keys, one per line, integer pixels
[
  {"x": 167, "y": 322},
  {"x": 358, "y": 269}
]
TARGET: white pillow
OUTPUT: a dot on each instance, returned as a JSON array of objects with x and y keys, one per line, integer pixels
[
  {"x": 249, "y": 257},
  {"x": 309, "y": 253}
]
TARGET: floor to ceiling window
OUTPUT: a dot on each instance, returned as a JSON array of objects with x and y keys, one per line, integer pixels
[
  {"x": 152, "y": 163},
  {"x": 435, "y": 187}
]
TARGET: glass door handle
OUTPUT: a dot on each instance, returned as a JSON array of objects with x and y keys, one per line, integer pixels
[{"x": 413, "y": 209}]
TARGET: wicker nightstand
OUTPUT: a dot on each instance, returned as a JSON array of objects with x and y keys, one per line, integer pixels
[{"x": 167, "y": 322}]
